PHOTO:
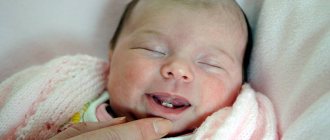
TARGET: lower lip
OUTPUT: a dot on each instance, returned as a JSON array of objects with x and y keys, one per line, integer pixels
[{"x": 162, "y": 111}]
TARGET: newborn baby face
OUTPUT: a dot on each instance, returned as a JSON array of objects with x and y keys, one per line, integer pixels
[{"x": 177, "y": 62}]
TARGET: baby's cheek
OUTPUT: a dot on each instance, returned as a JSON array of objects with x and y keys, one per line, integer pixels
[
  {"x": 214, "y": 95},
  {"x": 131, "y": 74},
  {"x": 137, "y": 73}
]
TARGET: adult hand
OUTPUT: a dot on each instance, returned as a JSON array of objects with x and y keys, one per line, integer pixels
[{"x": 118, "y": 129}]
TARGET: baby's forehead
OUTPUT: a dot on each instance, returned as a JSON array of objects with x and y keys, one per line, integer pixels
[
  {"x": 227, "y": 12},
  {"x": 143, "y": 9},
  {"x": 226, "y": 5},
  {"x": 217, "y": 8},
  {"x": 192, "y": 3}
]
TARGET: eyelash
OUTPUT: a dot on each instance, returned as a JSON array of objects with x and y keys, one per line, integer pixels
[
  {"x": 154, "y": 51},
  {"x": 211, "y": 65},
  {"x": 147, "y": 49}
]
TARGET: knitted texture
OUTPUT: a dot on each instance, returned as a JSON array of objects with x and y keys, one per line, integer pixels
[
  {"x": 37, "y": 101},
  {"x": 251, "y": 117}
]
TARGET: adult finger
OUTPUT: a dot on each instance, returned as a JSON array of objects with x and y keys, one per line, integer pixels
[
  {"x": 144, "y": 129},
  {"x": 84, "y": 127}
]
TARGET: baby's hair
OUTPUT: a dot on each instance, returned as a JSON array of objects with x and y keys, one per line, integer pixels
[
  {"x": 125, "y": 16},
  {"x": 248, "y": 50}
]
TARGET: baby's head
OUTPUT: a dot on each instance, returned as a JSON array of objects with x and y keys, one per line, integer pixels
[{"x": 177, "y": 59}]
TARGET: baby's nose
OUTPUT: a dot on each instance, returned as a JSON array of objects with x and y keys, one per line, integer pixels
[{"x": 178, "y": 70}]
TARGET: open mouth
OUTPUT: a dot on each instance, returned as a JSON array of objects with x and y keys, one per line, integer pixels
[{"x": 170, "y": 102}]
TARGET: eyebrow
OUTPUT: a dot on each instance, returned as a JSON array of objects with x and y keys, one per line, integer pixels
[
  {"x": 152, "y": 32},
  {"x": 225, "y": 53}
]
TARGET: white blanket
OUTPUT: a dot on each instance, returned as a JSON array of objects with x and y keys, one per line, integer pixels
[{"x": 291, "y": 64}]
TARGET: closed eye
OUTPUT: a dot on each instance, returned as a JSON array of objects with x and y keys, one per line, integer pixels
[
  {"x": 211, "y": 65},
  {"x": 150, "y": 50}
]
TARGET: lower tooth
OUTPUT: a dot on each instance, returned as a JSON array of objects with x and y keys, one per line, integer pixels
[{"x": 169, "y": 105}]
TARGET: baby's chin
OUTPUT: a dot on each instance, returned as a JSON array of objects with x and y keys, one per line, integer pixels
[
  {"x": 179, "y": 131},
  {"x": 178, "y": 127},
  {"x": 181, "y": 128},
  {"x": 184, "y": 127}
]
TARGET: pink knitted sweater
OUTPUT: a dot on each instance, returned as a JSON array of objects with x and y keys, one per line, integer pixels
[{"x": 35, "y": 103}]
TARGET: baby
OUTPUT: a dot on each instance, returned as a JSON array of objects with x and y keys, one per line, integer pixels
[{"x": 176, "y": 59}]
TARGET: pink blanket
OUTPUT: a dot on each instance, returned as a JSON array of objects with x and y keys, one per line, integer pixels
[
  {"x": 250, "y": 118},
  {"x": 36, "y": 102}
]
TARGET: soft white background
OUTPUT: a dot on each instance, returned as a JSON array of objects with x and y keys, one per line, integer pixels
[{"x": 33, "y": 31}]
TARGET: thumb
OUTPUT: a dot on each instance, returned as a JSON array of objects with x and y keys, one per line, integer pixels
[{"x": 143, "y": 129}]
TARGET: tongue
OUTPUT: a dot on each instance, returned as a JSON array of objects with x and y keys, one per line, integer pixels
[{"x": 173, "y": 100}]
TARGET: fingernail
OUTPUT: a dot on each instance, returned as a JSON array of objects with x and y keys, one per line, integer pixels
[
  {"x": 162, "y": 126},
  {"x": 121, "y": 118}
]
